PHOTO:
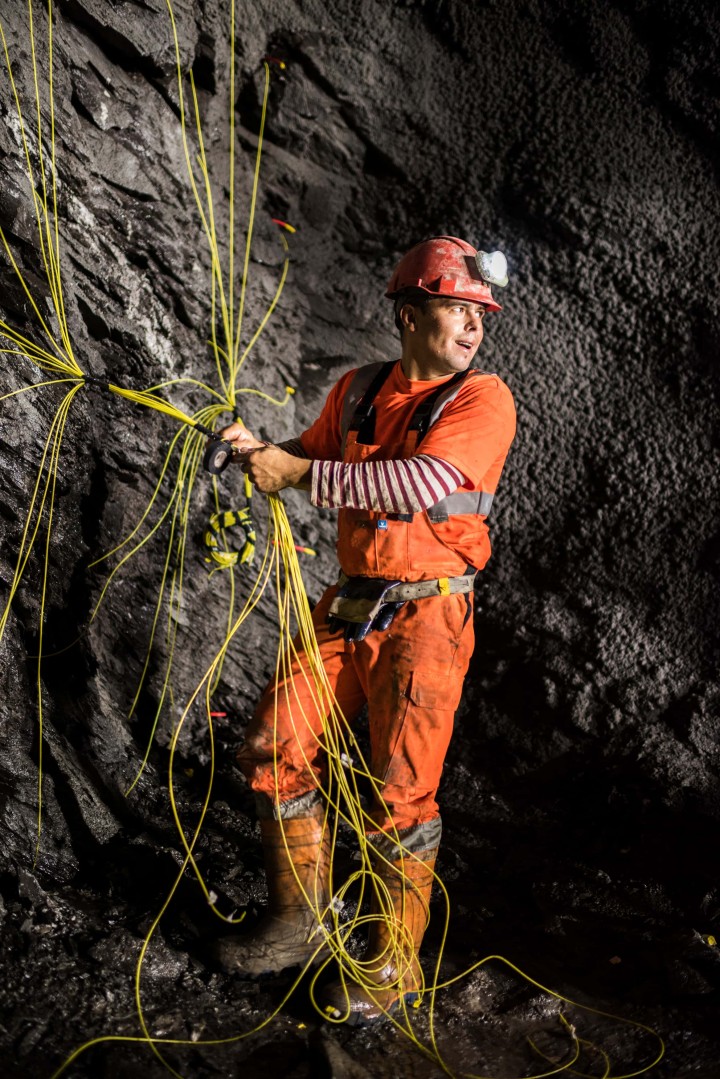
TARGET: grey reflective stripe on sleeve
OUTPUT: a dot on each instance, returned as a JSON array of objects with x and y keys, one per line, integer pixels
[
  {"x": 461, "y": 502},
  {"x": 359, "y": 383},
  {"x": 301, "y": 806},
  {"x": 419, "y": 837}
]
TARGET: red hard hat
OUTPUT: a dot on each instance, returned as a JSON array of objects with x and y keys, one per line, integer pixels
[{"x": 442, "y": 266}]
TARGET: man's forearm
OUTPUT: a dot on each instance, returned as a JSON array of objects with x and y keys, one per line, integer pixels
[
  {"x": 402, "y": 486},
  {"x": 293, "y": 446}
]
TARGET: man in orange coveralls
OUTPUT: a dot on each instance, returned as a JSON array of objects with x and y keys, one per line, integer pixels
[{"x": 410, "y": 452}]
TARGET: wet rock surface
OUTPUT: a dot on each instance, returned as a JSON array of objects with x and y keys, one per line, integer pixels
[{"x": 580, "y": 797}]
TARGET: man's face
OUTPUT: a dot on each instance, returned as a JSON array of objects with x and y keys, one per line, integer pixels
[{"x": 445, "y": 336}]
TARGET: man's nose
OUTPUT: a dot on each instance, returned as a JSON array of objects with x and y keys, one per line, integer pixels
[{"x": 473, "y": 320}]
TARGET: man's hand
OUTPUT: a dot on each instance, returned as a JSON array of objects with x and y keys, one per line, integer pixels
[
  {"x": 268, "y": 467},
  {"x": 242, "y": 439},
  {"x": 271, "y": 469}
]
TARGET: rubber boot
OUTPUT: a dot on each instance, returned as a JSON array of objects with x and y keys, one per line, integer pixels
[
  {"x": 289, "y": 933},
  {"x": 391, "y": 968}
]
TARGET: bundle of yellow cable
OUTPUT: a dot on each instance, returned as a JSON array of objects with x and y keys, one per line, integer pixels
[
  {"x": 54, "y": 354},
  {"x": 226, "y": 319}
]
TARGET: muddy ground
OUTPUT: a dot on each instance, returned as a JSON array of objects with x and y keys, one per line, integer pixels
[{"x": 580, "y": 798}]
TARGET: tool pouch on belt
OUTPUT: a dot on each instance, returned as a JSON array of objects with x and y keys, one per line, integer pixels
[{"x": 359, "y": 607}]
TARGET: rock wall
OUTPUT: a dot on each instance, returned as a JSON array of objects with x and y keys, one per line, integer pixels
[{"x": 582, "y": 141}]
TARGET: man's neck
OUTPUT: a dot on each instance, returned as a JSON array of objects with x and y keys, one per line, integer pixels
[{"x": 418, "y": 371}]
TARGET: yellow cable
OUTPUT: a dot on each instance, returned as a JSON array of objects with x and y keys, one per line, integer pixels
[
  {"x": 35, "y": 386},
  {"x": 251, "y": 215},
  {"x": 63, "y": 414}
]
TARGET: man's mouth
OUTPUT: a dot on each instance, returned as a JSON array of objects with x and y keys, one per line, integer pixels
[{"x": 467, "y": 345}]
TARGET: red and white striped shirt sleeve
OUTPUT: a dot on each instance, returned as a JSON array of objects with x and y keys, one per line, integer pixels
[{"x": 402, "y": 486}]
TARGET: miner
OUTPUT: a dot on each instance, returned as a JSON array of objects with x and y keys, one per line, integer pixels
[{"x": 410, "y": 452}]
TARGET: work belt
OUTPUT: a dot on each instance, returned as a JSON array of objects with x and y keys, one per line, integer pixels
[{"x": 366, "y": 603}]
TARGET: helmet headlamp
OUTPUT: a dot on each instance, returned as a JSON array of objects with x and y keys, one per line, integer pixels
[{"x": 492, "y": 267}]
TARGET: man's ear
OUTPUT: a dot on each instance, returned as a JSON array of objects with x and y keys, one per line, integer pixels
[{"x": 408, "y": 317}]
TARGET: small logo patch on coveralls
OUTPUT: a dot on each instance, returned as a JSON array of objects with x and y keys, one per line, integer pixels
[{"x": 382, "y": 525}]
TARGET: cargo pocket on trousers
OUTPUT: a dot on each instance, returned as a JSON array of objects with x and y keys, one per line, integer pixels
[
  {"x": 416, "y": 753},
  {"x": 432, "y": 689}
]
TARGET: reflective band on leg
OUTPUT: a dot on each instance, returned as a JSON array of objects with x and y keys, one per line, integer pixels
[
  {"x": 301, "y": 806},
  {"x": 419, "y": 837}
]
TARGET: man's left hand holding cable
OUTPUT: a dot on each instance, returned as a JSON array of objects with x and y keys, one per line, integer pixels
[{"x": 270, "y": 468}]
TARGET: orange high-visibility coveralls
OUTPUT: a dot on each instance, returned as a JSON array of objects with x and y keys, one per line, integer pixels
[{"x": 410, "y": 674}]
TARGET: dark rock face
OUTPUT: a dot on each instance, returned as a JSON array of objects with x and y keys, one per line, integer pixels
[{"x": 581, "y": 792}]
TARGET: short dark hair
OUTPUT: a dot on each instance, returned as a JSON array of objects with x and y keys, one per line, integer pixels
[{"x": 415, "y": 296}]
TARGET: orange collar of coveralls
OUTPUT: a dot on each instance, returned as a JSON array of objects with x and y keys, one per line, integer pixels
[{"x": 364, "y": 388}]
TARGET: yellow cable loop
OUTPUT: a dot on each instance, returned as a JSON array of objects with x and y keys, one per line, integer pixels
[
  {"x": 215, "y": 534},
  {"x": 231, "y": 576}
]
